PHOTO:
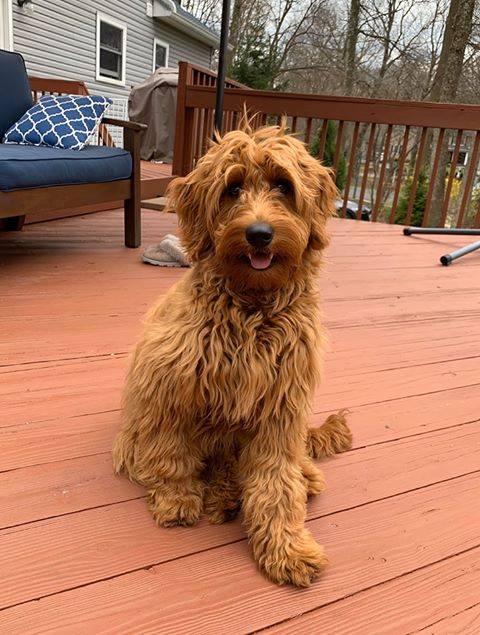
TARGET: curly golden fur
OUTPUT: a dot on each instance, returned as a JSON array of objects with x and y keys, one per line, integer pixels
[{"x": 217, "y": 400}]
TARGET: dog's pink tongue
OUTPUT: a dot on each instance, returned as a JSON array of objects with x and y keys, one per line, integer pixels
[{"x": 260, "y": 261}]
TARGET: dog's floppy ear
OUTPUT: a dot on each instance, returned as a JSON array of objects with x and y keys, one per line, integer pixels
[
  {"x": 184, "y": 198},
  {"x": 327, "y": 194}
]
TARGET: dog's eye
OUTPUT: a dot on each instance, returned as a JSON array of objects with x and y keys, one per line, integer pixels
[
  {"x": 283, "y": 186},
  {"x": 234, "y": 189}
]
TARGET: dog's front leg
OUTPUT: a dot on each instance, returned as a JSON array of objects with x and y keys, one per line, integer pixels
[
  {"x": 155, "y": 447},
  {"x": 176, "y": 497},
  {"x": 176, "y": 501},
  {"x": 169, "y": 465},
  {"x": 274, "y": 505}
]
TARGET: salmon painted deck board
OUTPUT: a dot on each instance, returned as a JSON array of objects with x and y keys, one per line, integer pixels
[{"x": 400, "y": 518}]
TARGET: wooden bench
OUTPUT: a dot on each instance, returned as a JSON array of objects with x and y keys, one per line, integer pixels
[{"x": 16, "y": 203}]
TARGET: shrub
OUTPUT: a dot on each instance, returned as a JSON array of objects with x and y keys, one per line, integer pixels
[
  {"x": 418, "y": 204},
  {"x": 329, "y": 154}
]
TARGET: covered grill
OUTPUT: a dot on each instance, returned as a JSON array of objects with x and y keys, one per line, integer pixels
[{"x": 153, "y": 103}]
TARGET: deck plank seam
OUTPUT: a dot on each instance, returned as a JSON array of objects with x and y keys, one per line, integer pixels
[
  {"x": 28, "y": 526},
  {"x": 347, "y": 452},
  {"x": 443, "y": 619},
  {"x": 364, "y": 590},
  {"x": 320, "y": 606},
  {"x": 53, "y": 363},
  {"x": 314, "y": 412},
  {"x": 310, "y": 519}
]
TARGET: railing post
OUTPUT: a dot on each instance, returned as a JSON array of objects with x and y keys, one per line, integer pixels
[
  {"x": 183, "y": 144},
  {"x": 132, "y": 205}
]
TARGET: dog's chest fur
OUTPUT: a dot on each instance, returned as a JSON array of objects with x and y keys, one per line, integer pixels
[{"x": 248, "y": 361}]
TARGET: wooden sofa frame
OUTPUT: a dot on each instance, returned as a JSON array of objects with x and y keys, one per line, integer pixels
[{"x": 16, "y": 204}]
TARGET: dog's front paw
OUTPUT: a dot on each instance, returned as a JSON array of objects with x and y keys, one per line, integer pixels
[
  {"x": 299, "y": 563},
  {"x": 171, "y": 510}
]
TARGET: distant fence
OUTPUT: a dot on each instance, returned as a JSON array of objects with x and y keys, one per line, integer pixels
[{"x": 408, "y": 162}]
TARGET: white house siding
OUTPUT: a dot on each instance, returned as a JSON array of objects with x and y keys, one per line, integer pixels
[{"x": 58, "y": 40}]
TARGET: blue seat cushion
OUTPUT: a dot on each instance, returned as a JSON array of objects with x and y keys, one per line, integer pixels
[{"x": 23, "y": 167}]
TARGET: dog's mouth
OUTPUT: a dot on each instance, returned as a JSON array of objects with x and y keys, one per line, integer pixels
[{"x": 260, "y": 260}]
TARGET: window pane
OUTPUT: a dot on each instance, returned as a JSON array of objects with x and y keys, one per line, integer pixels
[
  {"x": 110, "y": 64},
  {"x": 160, "y": 56},
  {"x": 111, "y": 37}
]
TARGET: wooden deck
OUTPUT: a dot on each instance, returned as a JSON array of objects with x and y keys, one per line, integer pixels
[
  {"x": 400, "y": 519},
  {"x": 153, "y": 176}
]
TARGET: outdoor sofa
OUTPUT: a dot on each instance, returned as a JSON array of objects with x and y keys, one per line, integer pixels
[{"x": 39, "y": 179}]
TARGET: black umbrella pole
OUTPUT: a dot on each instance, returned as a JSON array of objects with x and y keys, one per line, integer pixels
[
  {"x": 222, "y": 65},
  {"x": 448, "y": 258}
]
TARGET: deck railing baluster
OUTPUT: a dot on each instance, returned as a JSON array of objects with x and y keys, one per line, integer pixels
[
  {"x": 381, "y": 179},
  {"x": 476, "y": 222},
  {"x": 433, "y": 176},
  {"x": 416, "y": 175},
  {"x": 338, "y": 146},
  {"x": 469, "y": 182},
  {"x": 401, "y": 166},
  {"x": 366, "y": 167},
  {"x": 322, "y": 140},
  {"x": 351, "y": 166},
  {"x": 453, "y": 165},
  {"x": 308, "y": 131}
]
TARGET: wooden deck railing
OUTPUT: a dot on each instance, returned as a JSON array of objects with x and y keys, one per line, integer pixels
[
  {"x": 194, "y": 127},
  {"x": 409, "y": 162},
  {"x": 50, "y": 86}
]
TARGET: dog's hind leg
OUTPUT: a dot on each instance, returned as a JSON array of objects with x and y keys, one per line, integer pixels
[
  {"x": 332, "y": 437},
  {"x": 222, "y": 491}
]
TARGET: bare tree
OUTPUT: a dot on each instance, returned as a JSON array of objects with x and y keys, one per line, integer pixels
[
  {"x": 458, "y": 29},
  {"x": 208, "y": 11},
  {"x": 350, "y": 49}
]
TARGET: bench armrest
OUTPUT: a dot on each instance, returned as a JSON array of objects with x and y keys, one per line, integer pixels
[{"x": 130, "y": 125}]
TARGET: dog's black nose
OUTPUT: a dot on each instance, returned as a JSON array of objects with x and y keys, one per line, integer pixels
[{"x": 259, "y": 234}]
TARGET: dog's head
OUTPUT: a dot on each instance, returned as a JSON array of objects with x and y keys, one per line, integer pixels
[{"x": 255, "y": 207}]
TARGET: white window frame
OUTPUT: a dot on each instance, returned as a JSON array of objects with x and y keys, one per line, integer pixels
[
  {"x": 102, "y": 17},
  {"x": 165, "y": 46}
]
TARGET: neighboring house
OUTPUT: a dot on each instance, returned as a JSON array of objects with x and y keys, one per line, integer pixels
[{"x": 109, "y": 44}]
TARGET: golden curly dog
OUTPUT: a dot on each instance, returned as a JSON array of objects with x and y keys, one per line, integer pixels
[{"x": 217, "y": 401}]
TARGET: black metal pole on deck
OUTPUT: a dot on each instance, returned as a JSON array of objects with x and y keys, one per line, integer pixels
[{"x": 222, "y": 65}]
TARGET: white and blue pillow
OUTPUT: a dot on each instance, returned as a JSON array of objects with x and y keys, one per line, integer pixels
[{"x": 67, "y": 121}]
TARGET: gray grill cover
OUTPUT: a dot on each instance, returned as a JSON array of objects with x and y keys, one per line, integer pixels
[{"x": 154, "y": 103}]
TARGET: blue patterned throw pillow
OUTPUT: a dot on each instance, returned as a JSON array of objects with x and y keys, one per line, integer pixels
[{"x": 68, "y": 121}]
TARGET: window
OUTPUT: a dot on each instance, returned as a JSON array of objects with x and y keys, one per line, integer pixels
[
  {"x": 160, "y": 54},
  {"x": 462, "y": 157},
  {"x": 111, "y": 49}
]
